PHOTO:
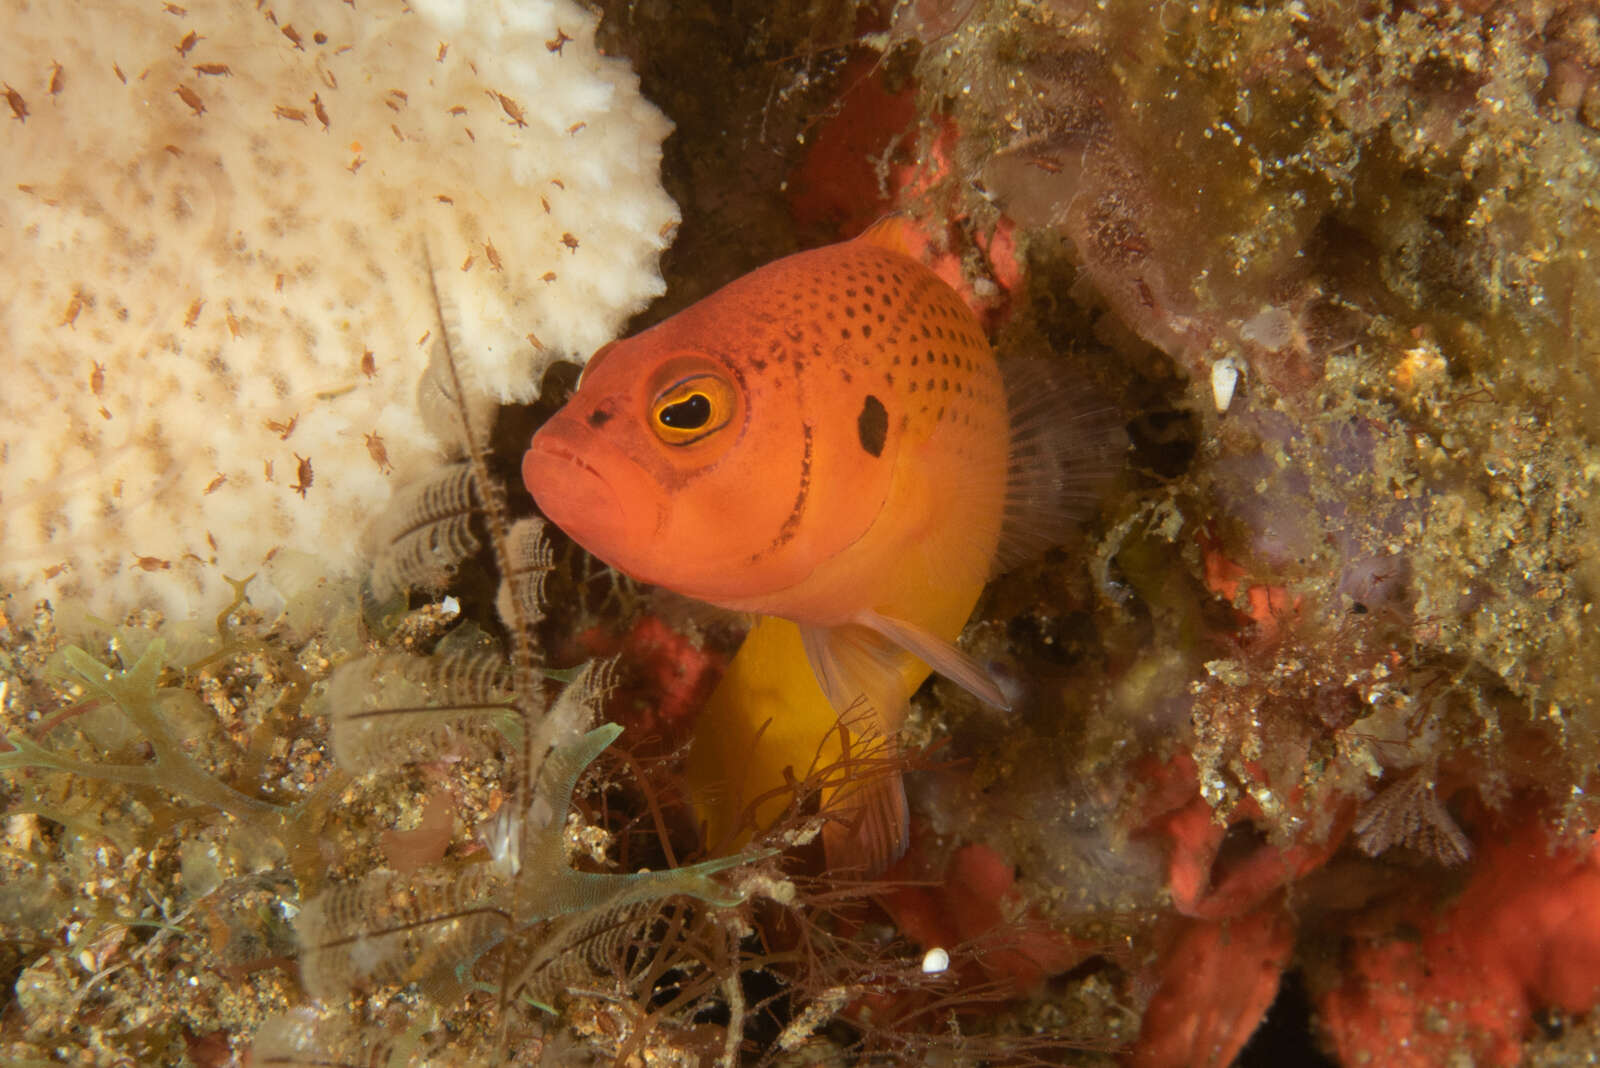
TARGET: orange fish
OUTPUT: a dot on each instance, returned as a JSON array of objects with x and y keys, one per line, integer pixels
[{"x": 828, "y": 441}]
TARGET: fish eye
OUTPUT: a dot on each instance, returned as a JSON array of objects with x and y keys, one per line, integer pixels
[
  {"x": 691, "y": 413},
  {"x": 692, "y": 408}
]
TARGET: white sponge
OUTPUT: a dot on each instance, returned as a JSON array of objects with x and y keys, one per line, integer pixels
[{"x": 212, "y": 219}]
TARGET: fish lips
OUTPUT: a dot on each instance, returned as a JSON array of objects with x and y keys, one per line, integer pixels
[{"x": 592, "y": 491}]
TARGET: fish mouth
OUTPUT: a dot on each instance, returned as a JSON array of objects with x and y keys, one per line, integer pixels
[
  {"x": 581, "y": 495},
  {"x": 563, "y": 454}
]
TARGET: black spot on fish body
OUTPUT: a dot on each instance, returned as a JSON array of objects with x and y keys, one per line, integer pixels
[
  {"x": 872, "y": 425},
  {"x": 599, "y": 417}
]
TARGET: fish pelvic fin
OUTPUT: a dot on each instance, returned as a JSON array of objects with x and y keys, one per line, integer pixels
[
  {"x": 939, "y": 655},
  {"x": 867, "y": 679},
  {"x": 861, "y": 673},
  {"x": 1066, "y": 448}
]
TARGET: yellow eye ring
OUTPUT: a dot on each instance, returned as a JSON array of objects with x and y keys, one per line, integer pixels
[{"x": 692, "y": 409}]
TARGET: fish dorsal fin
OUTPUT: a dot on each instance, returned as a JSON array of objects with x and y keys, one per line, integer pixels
[
  {"x": 938, "y": 654},
  {"x": 897, "y": 233},
  {"x": 1066, "y": 448}
]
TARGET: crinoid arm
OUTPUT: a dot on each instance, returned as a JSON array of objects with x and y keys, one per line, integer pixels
[
  {"x": 426, "y": 532},
  {"x": 431, "y": 927}
]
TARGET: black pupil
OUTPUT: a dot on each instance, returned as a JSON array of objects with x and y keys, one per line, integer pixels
[{"x": 691, "y": 413}]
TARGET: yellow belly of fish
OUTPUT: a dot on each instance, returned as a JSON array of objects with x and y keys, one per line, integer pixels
[{"x": 766, "y": 724}]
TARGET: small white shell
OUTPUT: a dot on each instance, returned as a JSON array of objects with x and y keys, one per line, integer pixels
[
  {"x": 935, "y": 961},
  {"x": 1225, "y": 374}
]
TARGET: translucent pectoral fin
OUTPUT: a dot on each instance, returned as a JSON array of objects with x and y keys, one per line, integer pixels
[
  {"x": 1066, "y": 450},
  {"x": 938, "y": 654}
]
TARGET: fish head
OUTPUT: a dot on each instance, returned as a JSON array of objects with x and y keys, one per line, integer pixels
[{"x": 661, "y": 464}]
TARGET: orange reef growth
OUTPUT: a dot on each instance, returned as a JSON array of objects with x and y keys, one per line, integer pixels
[{"x": 1429, "y": 981}]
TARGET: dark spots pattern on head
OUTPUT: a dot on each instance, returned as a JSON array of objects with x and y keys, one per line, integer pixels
[
  {"x": 599, "y": 417},
  {"x": 872, "y": 425}
]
